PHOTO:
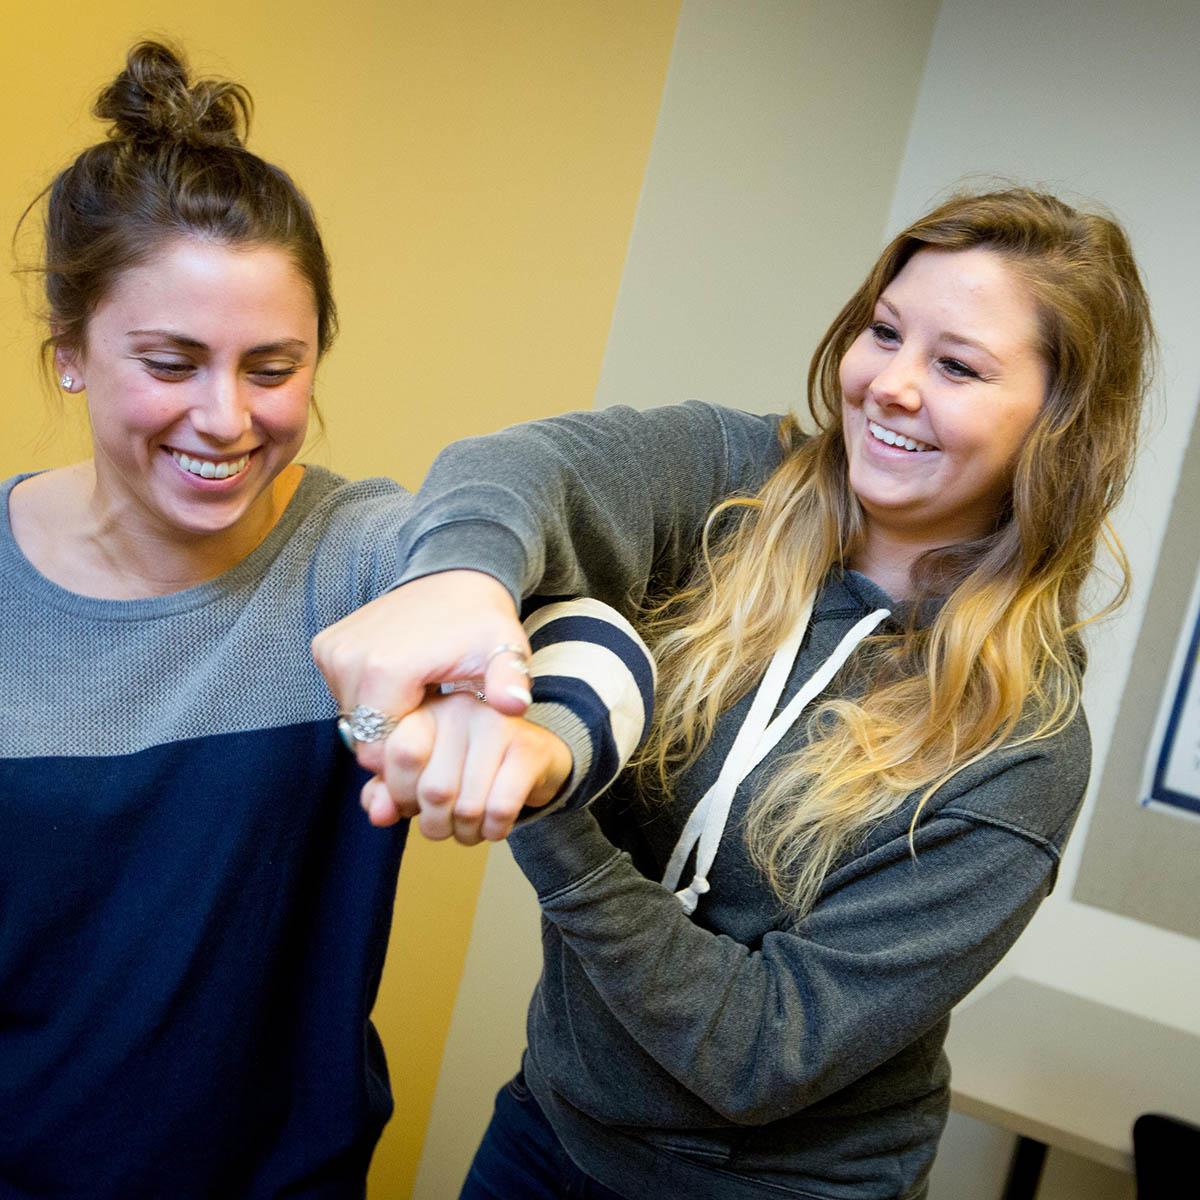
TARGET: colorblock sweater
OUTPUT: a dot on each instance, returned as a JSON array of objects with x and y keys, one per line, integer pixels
[{"x": 194, "y": 910}]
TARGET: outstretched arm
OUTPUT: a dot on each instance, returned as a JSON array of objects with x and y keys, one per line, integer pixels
[
  {"x": 601, "y": 503},
  {"x": 605, "y": 503}
]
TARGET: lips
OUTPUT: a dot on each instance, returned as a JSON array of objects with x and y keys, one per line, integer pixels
[
  {"x": 891, "y": 438},
  {"x": 209, "y": 468}
]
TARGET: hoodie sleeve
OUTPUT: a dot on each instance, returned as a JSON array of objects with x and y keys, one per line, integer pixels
[
  {"x": 894, "y": 941},
  {"x": 591, "y": 503}
]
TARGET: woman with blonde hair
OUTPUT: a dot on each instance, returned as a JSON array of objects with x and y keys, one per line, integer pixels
[{"x": 868, "y": 750}]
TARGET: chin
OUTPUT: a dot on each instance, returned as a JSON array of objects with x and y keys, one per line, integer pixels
[{"x": 202, "y": 522}]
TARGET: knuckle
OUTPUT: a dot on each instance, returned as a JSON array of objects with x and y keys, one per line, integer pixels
[
  {"x": 376, "y": 673},
  {"x": 370, "y": 757},
  {"x": 405, "y": 753},
  {"x": 496, "y": 831},
  {"x": 338, "y": 655},
  {"x": 469, "y": 808},
  {"x": 383, "y": 815},
  {"x": 467, "y": 833},
  {"x": 506, "y": 805},
  {"x": 433, "y": 825},
  {"x": 436, "y": 792}
]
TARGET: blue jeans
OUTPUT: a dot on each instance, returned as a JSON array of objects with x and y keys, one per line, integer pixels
[{"x": 521, "y": 1158}]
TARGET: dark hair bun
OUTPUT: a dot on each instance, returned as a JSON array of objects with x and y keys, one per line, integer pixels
[{"x": 153, "y": 101}]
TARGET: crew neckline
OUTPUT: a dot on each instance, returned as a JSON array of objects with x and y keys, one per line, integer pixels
[{"x": 19, "y": 570}]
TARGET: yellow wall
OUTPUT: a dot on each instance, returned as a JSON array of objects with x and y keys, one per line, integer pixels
[{"x": 476, "y": 166}]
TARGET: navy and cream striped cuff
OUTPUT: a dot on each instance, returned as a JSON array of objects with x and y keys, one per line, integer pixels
[{"x": 593, "y": 685}]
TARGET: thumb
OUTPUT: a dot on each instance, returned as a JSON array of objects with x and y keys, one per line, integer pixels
[{"x": 506, "y": 682}]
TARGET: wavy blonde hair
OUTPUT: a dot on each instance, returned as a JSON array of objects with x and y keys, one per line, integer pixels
[{"x": 1000, "y": 663}]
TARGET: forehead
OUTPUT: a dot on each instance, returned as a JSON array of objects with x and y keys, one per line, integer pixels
[
  {"x": 973, "y": 293},
  {"x": 209, "y": 289}
]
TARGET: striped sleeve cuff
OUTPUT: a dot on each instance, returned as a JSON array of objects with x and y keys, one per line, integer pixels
[{"x": 593, "y": 685}]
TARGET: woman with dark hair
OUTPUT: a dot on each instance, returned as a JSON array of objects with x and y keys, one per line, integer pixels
[
  {"x": 868, "y": 748},
  {"x": 193, "y": 910}
]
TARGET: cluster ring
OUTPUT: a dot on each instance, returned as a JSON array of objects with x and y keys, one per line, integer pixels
[{"x": 364, "y": 724}]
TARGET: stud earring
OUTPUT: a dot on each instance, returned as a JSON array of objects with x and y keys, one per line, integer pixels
[{"x": 68, "y": 382}]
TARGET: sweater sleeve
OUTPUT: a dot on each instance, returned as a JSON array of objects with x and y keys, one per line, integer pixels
[
  {"x": 892, "y": 944},
  {"x": 592, "y": 503},
  {"x": 592, "y": 679}
]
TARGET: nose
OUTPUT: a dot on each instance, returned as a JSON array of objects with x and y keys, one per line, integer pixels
[
  {"x": 898, "y": 383},
  {"x": 222, "y": 412}
]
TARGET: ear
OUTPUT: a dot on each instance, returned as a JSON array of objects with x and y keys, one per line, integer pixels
[{"x": 69, "y": 366}]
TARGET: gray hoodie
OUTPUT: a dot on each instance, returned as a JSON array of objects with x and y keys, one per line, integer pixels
[{"x": 738, "y": 1052}]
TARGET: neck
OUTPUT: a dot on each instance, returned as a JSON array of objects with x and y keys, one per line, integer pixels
[
  {"x": 90, "y": 543},
  {"x": 886, "y": 558},
  {"x": 153, "y": 561},
  {"x": 137, "y": 563}
]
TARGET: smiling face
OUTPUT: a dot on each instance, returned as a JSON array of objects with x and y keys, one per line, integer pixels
[
  {"x": 938, "y": 393},
  {"x": 198, "y": 367}
]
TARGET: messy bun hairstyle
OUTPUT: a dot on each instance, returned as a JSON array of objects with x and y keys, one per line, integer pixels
[
  {"x": 173, "y": 165},
  {"x": 151, "y": 101}
]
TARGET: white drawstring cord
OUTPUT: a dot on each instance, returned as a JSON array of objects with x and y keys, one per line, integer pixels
[{"x": 756, "y": 738}]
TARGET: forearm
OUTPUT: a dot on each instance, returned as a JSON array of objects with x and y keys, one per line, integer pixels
[{"x": 758, "y": 1034}]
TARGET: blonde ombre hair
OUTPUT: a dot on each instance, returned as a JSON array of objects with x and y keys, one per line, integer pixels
[{"x": 1000, "y": 663}]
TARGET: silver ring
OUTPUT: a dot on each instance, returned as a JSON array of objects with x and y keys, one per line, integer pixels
[
  {"x": 508, "y": 648},
  {"x": 462, "y": 685},
  {"x": 363, "y": 725}
]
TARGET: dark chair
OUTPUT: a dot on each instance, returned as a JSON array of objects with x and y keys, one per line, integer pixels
[{"x": 1166, "y": 1156}]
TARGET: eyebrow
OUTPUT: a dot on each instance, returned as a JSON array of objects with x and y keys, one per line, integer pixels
[
  {"x": 956, "y": 339},
  {"x": 283, "y": 345}
]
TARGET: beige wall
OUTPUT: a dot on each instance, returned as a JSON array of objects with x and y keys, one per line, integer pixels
[
  {"x": 767, "y": 193},
  {"x": 476, "y": 166}
]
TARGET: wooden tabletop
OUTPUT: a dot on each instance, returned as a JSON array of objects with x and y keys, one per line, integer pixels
[{"x": 1069, "y": 1072}]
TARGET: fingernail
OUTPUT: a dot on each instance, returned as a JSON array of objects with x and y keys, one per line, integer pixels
[{"x": 519, "y": 693}]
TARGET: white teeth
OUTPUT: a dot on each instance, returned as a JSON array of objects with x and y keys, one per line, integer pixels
[
  {"x": 208, "y": 469},
  {"x": 896, "y": 439}
]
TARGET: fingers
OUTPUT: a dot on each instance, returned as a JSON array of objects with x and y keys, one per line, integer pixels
[
  {"x": 379, "y": 806},
  {"x": 510, "y": 765},
  {"x": 402, "y": 759},
  {"x": 520, "y": 780},
  {"x": 488, "y": 743},
  {"x": 360, "y": 656},
  {"x": 438, "y": 786},
  {"x": 437, "y": 628},
  {"x": 464, "y": 771}
]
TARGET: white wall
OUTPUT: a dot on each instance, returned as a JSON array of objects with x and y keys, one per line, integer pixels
[
  {"x": 1096, "y": 98},
  {"x": 775, "y": 156}
]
